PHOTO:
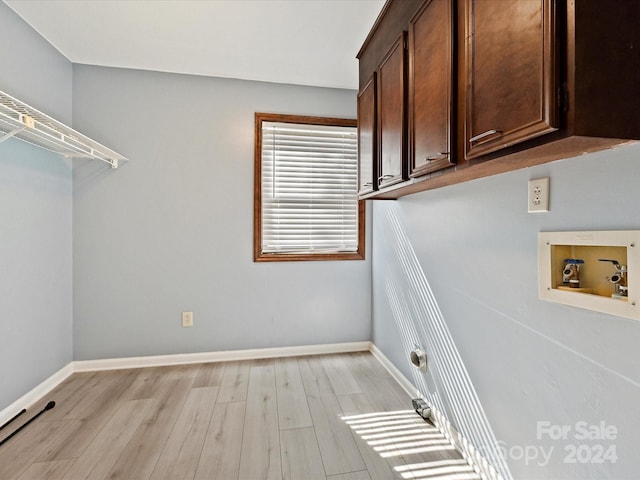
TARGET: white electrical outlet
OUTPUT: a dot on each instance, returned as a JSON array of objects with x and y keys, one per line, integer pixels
[
  {"x": 187, "y": 319},
  {"x": 539, "y": 195}
]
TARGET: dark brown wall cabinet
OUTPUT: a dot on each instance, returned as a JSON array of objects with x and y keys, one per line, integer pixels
[
  {"x": 497, "y": 85},
  {"x": 367, "y": 138},
  {"x": 431, "y": 88},
  {"x": 510, "y": 73},
  {"x": 392, "y": 115}
]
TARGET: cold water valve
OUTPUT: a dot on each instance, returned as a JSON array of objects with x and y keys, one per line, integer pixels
[{"x": 619, "y": 278}]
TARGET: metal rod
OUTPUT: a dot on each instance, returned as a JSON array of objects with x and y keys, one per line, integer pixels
[
  {"x": 13, "y": 418},
  {"x": 48, "y": 406}
]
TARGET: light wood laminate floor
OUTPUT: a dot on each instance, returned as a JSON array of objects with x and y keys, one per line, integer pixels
[{"x": 330, "y": 417}]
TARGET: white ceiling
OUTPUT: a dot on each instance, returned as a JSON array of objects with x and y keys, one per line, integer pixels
[{"x": 305, "y": 42}]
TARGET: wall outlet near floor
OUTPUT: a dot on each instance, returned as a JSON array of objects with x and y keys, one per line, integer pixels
[
  {"x": 187, "y": 319},
  {"x": 539, "y": 195}
]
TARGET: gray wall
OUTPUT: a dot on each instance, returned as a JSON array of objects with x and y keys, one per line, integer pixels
[
  {"x": 35, "y": 219},
  {"x": 172, "y": 229},
  {"x": 462, "y": 261}
]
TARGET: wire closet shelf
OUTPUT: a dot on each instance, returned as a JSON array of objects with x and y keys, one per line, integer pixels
[{"x": 19, "y": 120}]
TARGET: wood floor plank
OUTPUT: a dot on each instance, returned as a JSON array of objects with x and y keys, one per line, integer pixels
[
  {"x": 190, "y": 370},
  {"x": 103, "y": 386},
  {"x": 53, "y": 470},
  {"x": 67, "y": 395},
  {"x": 357, "y": 404},
  {"x": 340, "y": 453},
  {"x": 361, "y": 475},
  {"x": 260, "y": 455},
  {"x": 220, "y": 458},
  {"x": 235, "y": 381},
  {"x": 146, "y": 383},
  {"x": 314, "y": 376},
  {"x": 384, "y": 393},
  {"x": 209, "y": 375},
  {"x": 428, "y": 446},
  {"x": 146, "y": 445},
  {"x": 378, "y": 468},
  {"x": 95, "y": 411},
  {"x": 181, "y": 453},
  {"x": 339, "y": 374},
  {"x": 338, "y": 448},
  {"x": 33, "y": 440},
  {"x": 98, "y": 458},
  {"x": 441, "y": 469},
  {"x": 58, "y": 441},
  {"x": 293, "y": 410},
  {"x": 300, "y": 455}
]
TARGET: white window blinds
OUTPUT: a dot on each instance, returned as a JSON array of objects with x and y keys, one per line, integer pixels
[{"x": 309, "y": 188}]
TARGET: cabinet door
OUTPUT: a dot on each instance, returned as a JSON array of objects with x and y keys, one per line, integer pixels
[
  {"x": 431, "y": 88},
  {"x": 367, "y": 133},
  {"x": 391, "y": 115},
  {"x": 510, "y": 73}
]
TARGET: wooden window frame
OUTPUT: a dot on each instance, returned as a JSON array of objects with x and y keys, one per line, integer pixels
[{"x": 258, "y": 255}]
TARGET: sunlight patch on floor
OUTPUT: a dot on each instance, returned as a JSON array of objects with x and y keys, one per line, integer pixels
[{"x": 404, "y": 437}]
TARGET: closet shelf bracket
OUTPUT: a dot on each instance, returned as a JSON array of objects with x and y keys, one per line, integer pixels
[{"x": 10, "y": 134}]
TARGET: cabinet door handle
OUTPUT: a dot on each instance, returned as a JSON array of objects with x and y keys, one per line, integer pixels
[
  {"x": 486, "y": 134},
  {"x": 437, "y": 157}
]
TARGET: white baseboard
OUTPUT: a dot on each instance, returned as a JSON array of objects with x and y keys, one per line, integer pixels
[
  {"x": 395, "y": 373},
  {"x": 31, "y": 397},
  {"x": 225, "y": 356}
]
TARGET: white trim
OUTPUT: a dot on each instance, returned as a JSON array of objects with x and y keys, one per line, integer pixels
[
  {"x": 35, "y": 394},
  {"x": 224, "y": 356},
  {"x": 397, "y": 375}
]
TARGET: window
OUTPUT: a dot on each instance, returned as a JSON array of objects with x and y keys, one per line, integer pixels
[{"x": 306, "y": 202}]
